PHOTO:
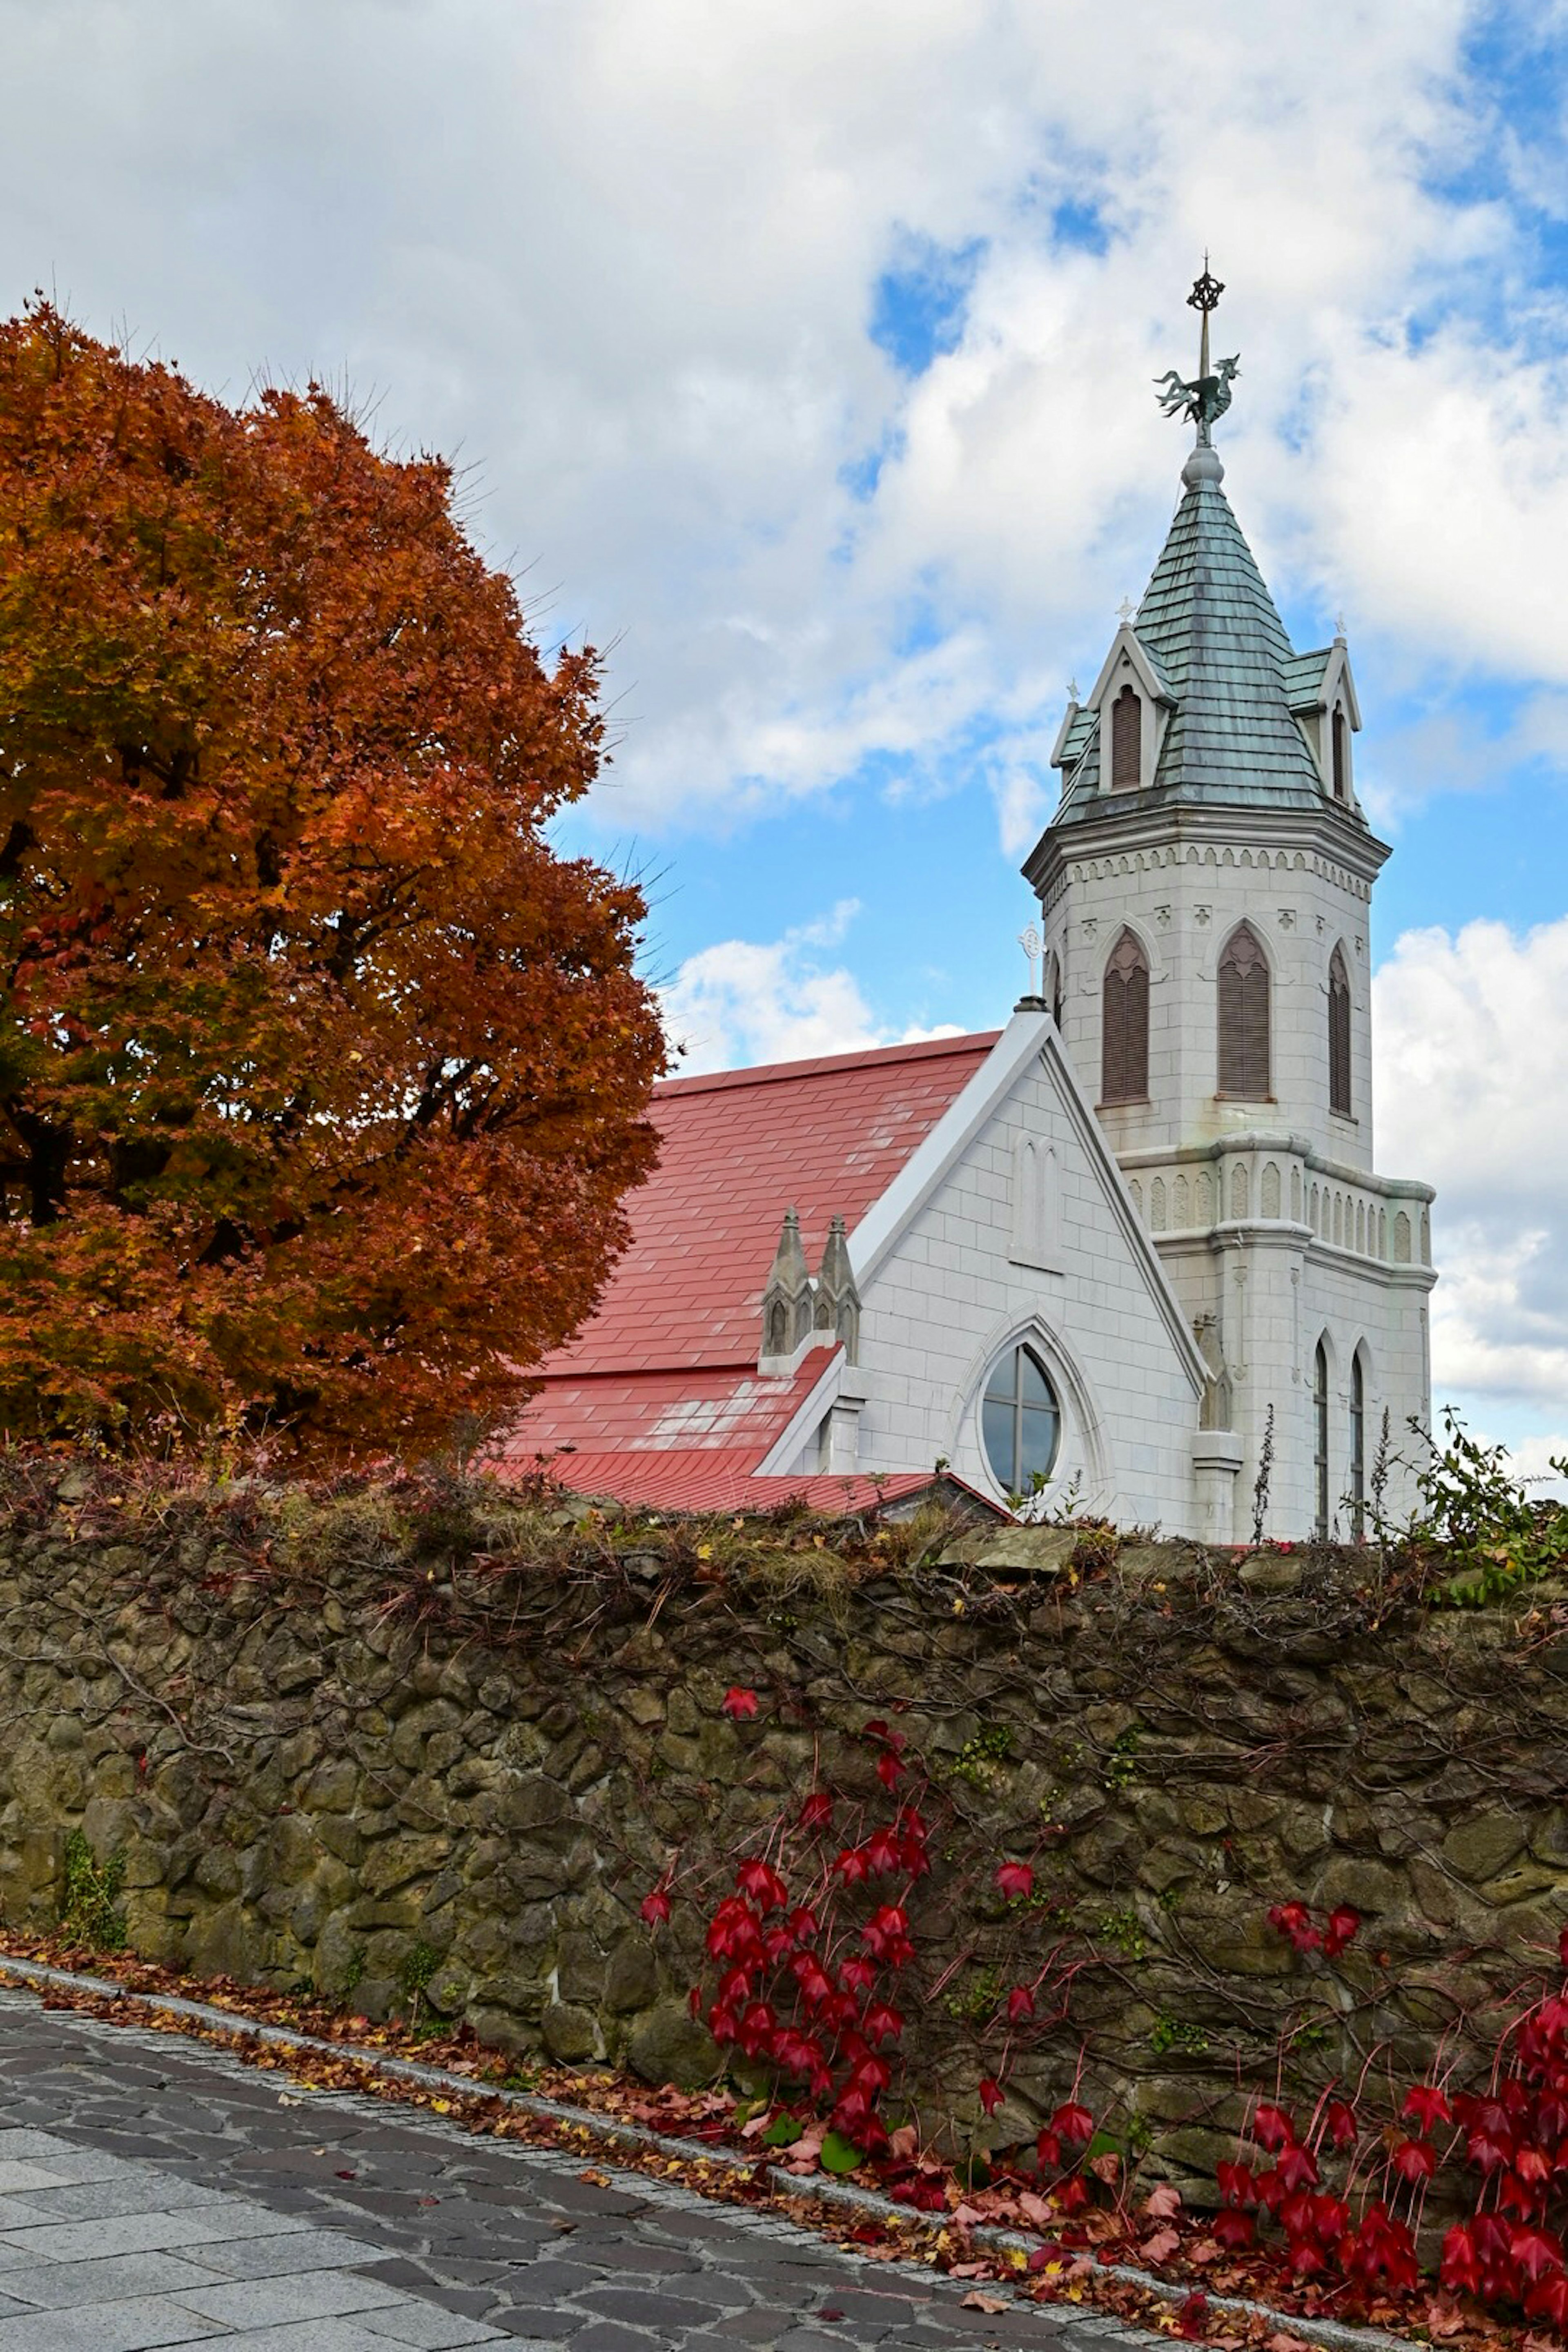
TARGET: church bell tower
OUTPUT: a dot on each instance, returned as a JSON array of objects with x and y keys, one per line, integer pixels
[{"x": 1206, "y": 886}]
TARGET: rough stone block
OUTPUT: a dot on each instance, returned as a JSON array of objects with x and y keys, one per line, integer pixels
[
  {"x": 571, "y": 2033},
  {"x": 667, "y": 2045},
  {"x": 1482, "y": 1847}
]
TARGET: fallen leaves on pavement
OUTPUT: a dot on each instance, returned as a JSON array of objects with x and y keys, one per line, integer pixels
[{"x": 1073, "y": 2261}]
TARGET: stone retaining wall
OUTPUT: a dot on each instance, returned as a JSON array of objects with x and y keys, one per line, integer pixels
[{"x": 458, "y": 1776}]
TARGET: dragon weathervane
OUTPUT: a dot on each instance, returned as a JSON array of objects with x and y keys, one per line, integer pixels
[{"x": 1208, "y": 396}]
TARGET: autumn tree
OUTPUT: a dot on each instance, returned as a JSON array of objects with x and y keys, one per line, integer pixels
[{"x": 321, "y": 1076}]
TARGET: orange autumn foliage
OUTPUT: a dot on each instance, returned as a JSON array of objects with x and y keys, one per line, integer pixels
[{"x": 321, "y": 1076}]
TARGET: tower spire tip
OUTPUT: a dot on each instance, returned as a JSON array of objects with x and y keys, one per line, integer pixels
[{"x": 1207, "y": 396}]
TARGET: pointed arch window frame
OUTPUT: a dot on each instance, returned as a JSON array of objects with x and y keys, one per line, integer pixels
[
  {"x": 1127, "y": 707},
  {"x": 1125, "y": 1021},
  {"x": 1341, "y": 1069},
  {"x": 1357, "y": 1495},
  {"x": 1314, "y": 708},
  {"x": 1322, "y": 1392},
  {"x": 1244, "y": 1020},
  {"x": 1127, "y": 663}
]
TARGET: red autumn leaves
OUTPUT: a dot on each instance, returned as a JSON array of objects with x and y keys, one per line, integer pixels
[
  {"x": 1321, "y": 2236},
  {"x": 810, "y": 1944},
  {"x": 1295, "y": 1923},
  {"x": 324, "y": 1074},
  {"x": 1515, "y": 2136},
  {"x": 805, "y": 1986},
  {"x": 1503, "y": 2148}
]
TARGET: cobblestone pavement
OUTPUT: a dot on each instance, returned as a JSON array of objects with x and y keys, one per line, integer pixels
[{"x": 154, "y": 2192}]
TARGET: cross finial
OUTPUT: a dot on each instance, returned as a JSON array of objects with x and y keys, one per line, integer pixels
[
  {"x": 1207, "y": 292},
  {"x": 1208, "y": 396},
  {"x": 1072, "y": 689},
  {"x": 1124, "y": 610},
  {"x": 1029, "y": 941},
  {"x": 1205, "y": 298}
]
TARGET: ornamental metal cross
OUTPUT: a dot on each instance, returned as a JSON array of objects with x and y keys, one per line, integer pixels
[
  {"x": 1029, "y": 941},
  {"x": 1207, "y": 396}
]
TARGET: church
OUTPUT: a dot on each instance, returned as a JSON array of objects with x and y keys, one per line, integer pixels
[{"x": 1127, "y": 1255}]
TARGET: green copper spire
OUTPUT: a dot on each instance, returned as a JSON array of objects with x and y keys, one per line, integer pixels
[{"x": 1235, "y": 698}]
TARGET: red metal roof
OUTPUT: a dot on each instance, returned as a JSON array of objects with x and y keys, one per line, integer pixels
[
  {"x": 738, "y": 1148},
  {"x": 726, "y": 1482},
  {"x": 712, "y": 1410},
  {"x": 657, "y": 1400}
]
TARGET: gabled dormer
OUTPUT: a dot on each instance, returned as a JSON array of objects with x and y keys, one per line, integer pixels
[
  {"x": 1111, "y": 743},
  {"x": 1228, "y": 715},
  {"x": 1321, "y": 694}
]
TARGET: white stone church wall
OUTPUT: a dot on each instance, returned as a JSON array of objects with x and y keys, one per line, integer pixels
[
  {"x": 1183, "y": 901},
  {"x": 1383, "y": 1314},
  {"x": 1274, "y": 1294},
  {"x": 950, "y": 1299}
]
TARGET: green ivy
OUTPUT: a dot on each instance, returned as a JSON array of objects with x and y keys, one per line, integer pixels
[
  {"x": 977, "y": 1998},
  {"x": 977, "y": 1759},
  {"x": 91, "y": 1913},
  {"x": 1123, "y": 1929},
  {"x": 1120, "y": 1764},
  {"x": 1172, "y": 2033}
]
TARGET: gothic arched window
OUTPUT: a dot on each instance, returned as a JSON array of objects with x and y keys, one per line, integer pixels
[
  {"x": 1020, "y": 1422},
  {"x": 1052, "y": 984},
  {"x": 1321, "y": 1441},
  {"x": 1124, "y": 1027},
  {"x": 1126, "y": 741},
  {"x": 1358, "y": 1447},
  {"x": 1339, "y": 1035},
  {"x": 1244, "y": 1018},
  {"x": 1342, "y": 765}
]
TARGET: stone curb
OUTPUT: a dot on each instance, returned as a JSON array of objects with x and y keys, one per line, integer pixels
[{"x": 842, "y": 2194}]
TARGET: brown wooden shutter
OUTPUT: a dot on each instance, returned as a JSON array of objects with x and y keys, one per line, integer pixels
[
  {"x": 1338, "y": 735},
  {"x": 1126, "y": 741},
  {"x": 1243, "y": 1018},
  {"x": 1339, "y": 1035},
  {"x": 1124, "y": 1029}
]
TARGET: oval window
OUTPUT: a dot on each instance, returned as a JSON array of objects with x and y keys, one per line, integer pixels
[{"x": 1020, "y": 1422}]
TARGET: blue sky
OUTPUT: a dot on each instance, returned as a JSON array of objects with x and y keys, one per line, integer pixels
[{"x": 801, "y": 357}]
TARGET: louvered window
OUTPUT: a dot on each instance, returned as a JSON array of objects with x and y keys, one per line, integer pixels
[
  {"x": 1339, "y": 1035},
  {"x": 1341, "y": 761},
  {"x": 1124, "y": 1030},
  {"x": 1243, "y": 1018},
  {"x": 1126, "y": 742}
]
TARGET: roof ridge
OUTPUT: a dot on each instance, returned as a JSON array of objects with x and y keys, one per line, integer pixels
[{"x": 761, "y": 1074}]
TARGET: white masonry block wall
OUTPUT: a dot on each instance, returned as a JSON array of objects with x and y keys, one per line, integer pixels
[
  {"x": 1268, "y": 1215},
  {"x": 950, "y": 1298}
]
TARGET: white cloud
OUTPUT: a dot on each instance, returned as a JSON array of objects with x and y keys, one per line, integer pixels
[
  {"x": 1533, "y": 1459},
  {"x": 623, "y": 258},
  {"x": 743, "y": 1002},
  {"x": 1471, "y": 1042}
]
